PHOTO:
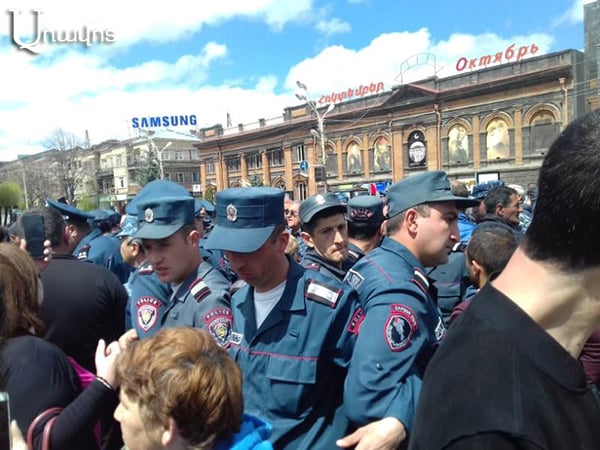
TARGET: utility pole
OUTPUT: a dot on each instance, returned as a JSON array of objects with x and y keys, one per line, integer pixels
[
  {"x": 24, "y": 185},
  {"x": 319, "y": 133}
]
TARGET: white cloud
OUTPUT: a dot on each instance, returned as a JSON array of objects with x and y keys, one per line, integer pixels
[
  {"x": 333, "y": 26},
  {"x": 64, "y": 87},
  {"x": 574, "y": 14},
  {"x": 382, "y": 60}
]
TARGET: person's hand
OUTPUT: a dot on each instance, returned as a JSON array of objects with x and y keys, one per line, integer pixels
[
  {"x": 106, "y": 361},
  {"x": 41, "y": 263},
  {"x": 18, "y": 442},
  {"x": 127, "y": 338},
  {"x": 384, "y": 434}
]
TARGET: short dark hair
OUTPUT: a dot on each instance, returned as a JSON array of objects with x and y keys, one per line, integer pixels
[
  {"x": 498, "y": 195},
  {"x": 394, "y": 223},
  {"x": 362, "y": 231},
  {"x": 491, "y": 247},
  {"x": 564, "y": 228}
]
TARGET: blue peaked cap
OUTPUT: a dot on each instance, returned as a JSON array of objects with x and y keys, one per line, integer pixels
[{"x": 245, "y": 218}]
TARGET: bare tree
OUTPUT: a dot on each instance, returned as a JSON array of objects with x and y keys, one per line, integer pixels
[{"x": 66, "y": 150}]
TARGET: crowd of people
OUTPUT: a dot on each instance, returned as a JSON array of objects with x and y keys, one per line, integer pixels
[{"x": 432, "y": 317}]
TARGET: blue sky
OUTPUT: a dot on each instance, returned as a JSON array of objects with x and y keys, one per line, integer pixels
[{"x": 241, "y": 57}]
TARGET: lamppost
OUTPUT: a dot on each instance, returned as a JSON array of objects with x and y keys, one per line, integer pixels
[
  {"x": 160, "y": 158},
  {"x": 319, "y": 133}
]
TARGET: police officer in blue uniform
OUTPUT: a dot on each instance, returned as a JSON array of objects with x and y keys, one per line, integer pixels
[
  {"x": 89, "y": 243},
  {"x": 294, "y": 329},
  {"x": 365, "y": 219},
  {"x": 402, "y": 324},
  {"x": 148, "y": 296},
  {"x": 325, "y": 231},
  {"x": 200, "y": 293}
]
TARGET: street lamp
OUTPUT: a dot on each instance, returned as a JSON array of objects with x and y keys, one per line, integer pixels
[
  {"x": 160, "y": 158},
  {"x": 319, "y": 133}
]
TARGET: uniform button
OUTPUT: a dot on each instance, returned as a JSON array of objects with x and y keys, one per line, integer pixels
[{"x": 379, "y": 366}]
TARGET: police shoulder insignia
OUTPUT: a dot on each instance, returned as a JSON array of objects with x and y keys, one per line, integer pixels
[
  {"x": 147, "y": 312},
  {"x": 420, "y": 279},
  {"x": 236, "y": 338},
  {"x": 323, "y": 293},
  {"x": 440, "y": 330},
  {"x": 400, "y": 326},
  {"x": 356, "y": 320},
  {"x": 354, "y": 279},
  {"x": 199, "y": 289},
  {"x": 146, "y": 270},
  {"x": 313, "y": 266},
  {"x": 83, "y": 252},
  {"x": 219, "y": 322}
]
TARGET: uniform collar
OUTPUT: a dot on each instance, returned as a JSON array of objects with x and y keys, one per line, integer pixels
[{"x": 391, "y": 245}]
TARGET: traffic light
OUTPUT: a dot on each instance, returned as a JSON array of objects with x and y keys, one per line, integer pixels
[{"x": 320, "y": 174}]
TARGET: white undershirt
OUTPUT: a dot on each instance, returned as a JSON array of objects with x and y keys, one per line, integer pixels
[{"x": 264, "y": 302}]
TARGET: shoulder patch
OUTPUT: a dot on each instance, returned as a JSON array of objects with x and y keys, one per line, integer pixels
[
  {"x": 219, "y": 322},
  {"x": 355, "y": 321},
  {"x": 146, "y": 270},
  {"x": 199, "y": 289},
  {"x": 147, "y": 312},
  {"x": 323, "y": 293},
  {"x": 313, "y": 266},
  {"x": 83, "y": 252},
  {"x": 420, "y": 279},
  {"x": 354, "y": 279},
  {"x": 236, "y": 338},
  {"x": 400, "y": 327},
  {"x": 440, "y": 330}
]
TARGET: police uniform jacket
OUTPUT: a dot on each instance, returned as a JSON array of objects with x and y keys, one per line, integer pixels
[
  {"x": 96, "y": 248},
  {"x": 202, "y": 301},
  {"x": 402, "y": 327},
  {"x": 294, "y": 364},
  {"x": 148, "y": 300},
  {"x": 354, "y": 252},
  {"x": 313, "y": 261}
]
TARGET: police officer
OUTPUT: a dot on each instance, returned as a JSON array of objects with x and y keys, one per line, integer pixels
[
  {"x": 325, "y": 231},
  {"x": 148, "y": 296},
  {"x": 365, "y": 217},
  {"x": 87, "y": 240},
  {"x": 294, "y": 329},
  {"x": 402, "y": 324},
  {"x": 200, "y": 292}
]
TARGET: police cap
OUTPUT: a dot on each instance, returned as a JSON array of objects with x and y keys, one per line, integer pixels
[
  {"x": 161, "y": 217},
  {"x": 320, "y": 202},
  {"x": 365, "y": 209},
  {"x": 245, "y": 218},
  {"x": 425, "y": 187},
  {"x": 69, "y": 212}
]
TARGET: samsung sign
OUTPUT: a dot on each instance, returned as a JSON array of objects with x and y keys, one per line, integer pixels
[{"x": 163, "y": 121}]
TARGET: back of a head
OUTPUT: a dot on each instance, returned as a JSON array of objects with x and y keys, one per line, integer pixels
[
  {"x": 189, "y": 378},
  {"x": 491, "y": 247},
  {"x": 19, "y": 292},
  {"x": 564, "y": 228}
]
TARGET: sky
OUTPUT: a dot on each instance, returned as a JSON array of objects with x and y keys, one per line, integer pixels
[{"x": 237, "y": 58}]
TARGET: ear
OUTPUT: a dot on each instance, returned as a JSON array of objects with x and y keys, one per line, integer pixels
[
  {"x": 308, "y": 239},
  {"x": 410, "y": 220},
  {"x": 194, "y": 237},
  {"x": 170, "y": 432},
  {"x": 478, "y": 271},
  {"x": 499, "y": 210}
]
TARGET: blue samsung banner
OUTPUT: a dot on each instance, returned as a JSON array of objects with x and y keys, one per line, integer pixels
[{"x": 164, "y": 121}]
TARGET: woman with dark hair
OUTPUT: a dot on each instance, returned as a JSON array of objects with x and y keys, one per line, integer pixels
[{"x": 36, "y": 374}]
